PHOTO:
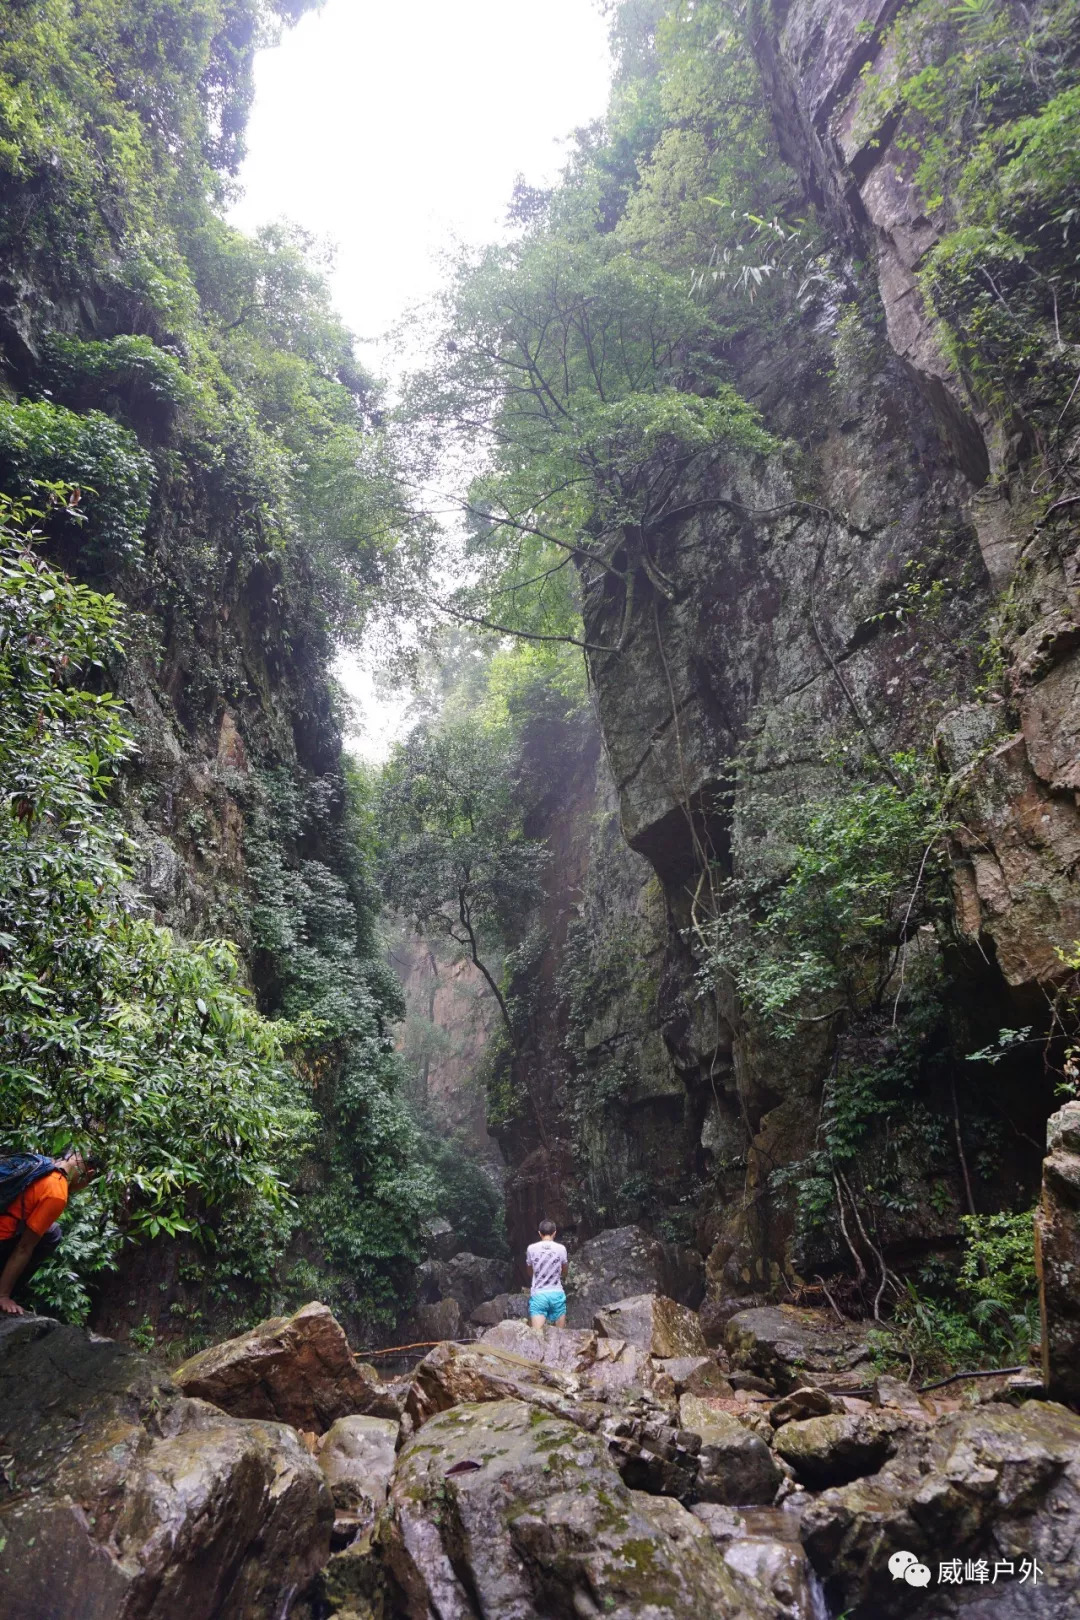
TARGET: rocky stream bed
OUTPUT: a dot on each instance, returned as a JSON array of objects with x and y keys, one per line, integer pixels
[{"x": 627, "y": 1470}]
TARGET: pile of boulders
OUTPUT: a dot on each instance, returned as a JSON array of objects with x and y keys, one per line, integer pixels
[{"x": 624, "y": 1467}]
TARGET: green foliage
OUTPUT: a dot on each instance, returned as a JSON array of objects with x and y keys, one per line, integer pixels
[
  {"x": 576, "y": 366},
  {"x": 990, "y": 112},
  {"x": 467, "y": 1197},
  {"x": 102, "y": 461},
  {"x": 985, "y": 1314},
  {"x": 309, "y": 849},
  {"x": 237, "y": 487},
  {"x": 112, "y": 1032},
  {"x": 830, "y": 911},
  {"x": 455, "y": 857},
  {"x": 94, "y": 151}
]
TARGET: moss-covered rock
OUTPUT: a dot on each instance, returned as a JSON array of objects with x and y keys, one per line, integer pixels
[
  {"x": 122, "y": 1498},
  {"x": 517, "y": 1513},
  {"x": 998, "y": 1483}
]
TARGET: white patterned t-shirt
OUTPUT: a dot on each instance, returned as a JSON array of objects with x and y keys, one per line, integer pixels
[{"x": 546, "y": 1261}]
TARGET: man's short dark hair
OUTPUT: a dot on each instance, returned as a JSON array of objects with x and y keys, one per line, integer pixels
[{"x": 547, "y": 1228}]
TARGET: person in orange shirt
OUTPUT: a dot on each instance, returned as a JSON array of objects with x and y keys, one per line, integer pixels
[{"x": 29, "y": 1232}]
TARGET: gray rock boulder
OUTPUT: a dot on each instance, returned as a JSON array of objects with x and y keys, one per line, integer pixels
[
  {"x": 785, "y": 1344},
  {"x": 503, "y": 1308},
  {"x": 695, "y": 1375},
  {"x": 502, "y": 1511},
  {"x": 122, "y": 1499},
  {"x": 625, "y": 1261},
  {"x": 997, "y": 1483},
  {"x": 439, "y": 1320},
  {"x": 563, "y": 1370},
  {"x": 842, "y": 1446},
  {"x": 802, "y": 1403},
  {"x": 657, "y": 1325},
  {"x": 357, "y": 1457},
  {"x": 761, "y": 1547},
  {"x": 468, "y": 1278},
  {"x": 1057, "y": 1253},
  {"x": 715, "y": 1314},
  {"x": 735, "y": 1465},
  {"x": 294, "y": 1369},
  {"x": 440, "y": 1239}
]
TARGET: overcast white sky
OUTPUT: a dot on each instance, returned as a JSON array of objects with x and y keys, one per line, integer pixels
[{"x": 391, "y": 129}]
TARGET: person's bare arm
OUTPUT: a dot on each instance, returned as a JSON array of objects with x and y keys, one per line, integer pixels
[{"x": 17, "y": 1263}]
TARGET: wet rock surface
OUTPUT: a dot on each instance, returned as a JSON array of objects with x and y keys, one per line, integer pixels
[
  {"x": 784, "y": 1344},
  {"x": 624, "y": 1262},
  {"x": 123, "y": 1499},
  {"x": 696, "y": 1375},
  {"x": 533, "y": 1474},
  {"x": 998, "y": 1484},
  {"x": 1057, "y": 1250},
  {"x": 735, "y": 1464},
  {"x": 296, "y": 1369},
  {"x": 502, "y": 1510},
  {"x": 357, "y": 1458}
]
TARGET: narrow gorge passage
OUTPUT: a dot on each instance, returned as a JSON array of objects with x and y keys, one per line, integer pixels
[{"x": 612, "y": 782}]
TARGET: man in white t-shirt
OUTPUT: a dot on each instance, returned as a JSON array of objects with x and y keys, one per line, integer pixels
[{"x": 547, "y": 1265}]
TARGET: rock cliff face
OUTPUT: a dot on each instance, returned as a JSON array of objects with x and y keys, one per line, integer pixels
[
  {"x": 450, "y": 1020},
  {"x": 600, "y": 1126},
  {"x": 777, "y": 644}
]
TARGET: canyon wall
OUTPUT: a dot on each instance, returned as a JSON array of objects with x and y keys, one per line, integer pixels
[{"x": 763, "y": 645}]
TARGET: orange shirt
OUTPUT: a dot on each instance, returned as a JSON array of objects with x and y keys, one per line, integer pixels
[{"x": 43, "y": 1201}]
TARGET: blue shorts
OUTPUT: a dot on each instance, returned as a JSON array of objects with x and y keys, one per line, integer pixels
[{"x": 549, "y": 1303}]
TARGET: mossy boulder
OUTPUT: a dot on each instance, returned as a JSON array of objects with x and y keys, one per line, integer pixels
[
  {"x": 503, "y": 1510},
  {"x": 838, "y": 1447},
  {"x": 658, "y": 1325},
  {"x": 997, "y": 1483},
  {"x": 735, "y": 1465},
  {"x": 122, "y": 1499}
]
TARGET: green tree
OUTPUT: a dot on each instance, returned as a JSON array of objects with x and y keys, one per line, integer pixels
[
  {"x": 114, "y": 1034},
  {"x": 578, "y": 376},
  {"x": 455, "y": 859}
]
